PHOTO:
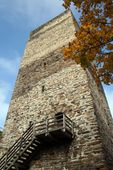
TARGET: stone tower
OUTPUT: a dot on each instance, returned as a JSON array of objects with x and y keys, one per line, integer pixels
[{"x": 47, "y": 84}]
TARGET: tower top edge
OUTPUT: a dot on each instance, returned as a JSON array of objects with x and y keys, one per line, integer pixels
[{"x": 65, "y": 14}]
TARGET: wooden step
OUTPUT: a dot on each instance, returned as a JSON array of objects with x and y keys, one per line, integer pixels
[
  {"x": 34, "y": 144},
  {"x": 15, "y": 156},
  {"x": 28, "y": 151},
  {"x": 36, "y": 141},
  {"x": 8, "y": 163},
  {"x": 13, "y": 167},
  {"x": 25, "y": 154},
  {"x": 23, "y": 157},
  {"x": 31, "y": 148},
  {"x": 20, "y": 161}
]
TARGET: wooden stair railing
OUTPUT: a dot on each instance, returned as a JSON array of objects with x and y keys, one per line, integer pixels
[
  {"x": 17, "y": 155},
  {"x": 17, "y": 149}
]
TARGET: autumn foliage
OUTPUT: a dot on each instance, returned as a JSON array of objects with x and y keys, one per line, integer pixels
[{"x": 93, "y": 43}]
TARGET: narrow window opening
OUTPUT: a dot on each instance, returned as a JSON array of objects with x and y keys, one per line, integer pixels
[
  {"x": 43, "y": 88},
  {"x": 44, "y": 64}
]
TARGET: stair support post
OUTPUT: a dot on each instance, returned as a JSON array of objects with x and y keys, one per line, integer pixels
[
  {"x": 73, "y": 130},
  {"x": 64, "y": 122},
  {"x": 34, "y": 132},
  {"x": 47, "y": 124}
]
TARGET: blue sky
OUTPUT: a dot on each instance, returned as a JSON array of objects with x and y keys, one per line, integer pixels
[{"x": 17, "y": 19}]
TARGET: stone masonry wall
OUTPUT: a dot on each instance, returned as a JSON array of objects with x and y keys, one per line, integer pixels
[
  {"x": 49, "y": 37},
  {"x": 66, "y": 89},
  {"x": 104, "y": 119},
  {"x": 40, "y": 49}
]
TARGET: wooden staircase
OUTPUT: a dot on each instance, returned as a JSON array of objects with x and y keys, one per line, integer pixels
[{"x": 38, "y": 134}]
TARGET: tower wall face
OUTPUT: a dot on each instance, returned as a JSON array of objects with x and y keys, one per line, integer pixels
[
  {"x": 67, "y": 88},
  {"x": 104, "y": 119}
]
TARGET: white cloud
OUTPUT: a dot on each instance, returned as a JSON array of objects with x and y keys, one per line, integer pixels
[
  {"x": 9, "y": 65},
  {"x": 4, "y": 90}
]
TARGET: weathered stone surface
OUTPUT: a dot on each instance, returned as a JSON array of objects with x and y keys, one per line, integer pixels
[
  {"x": 37, "y": 70},
  {"x": 66, "y": 88},
  {"x": 49, "y": 37},
  {"x": 104, "y": 119}
]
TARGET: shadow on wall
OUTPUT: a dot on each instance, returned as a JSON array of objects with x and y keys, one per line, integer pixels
[{"x": 0, "y": 134}]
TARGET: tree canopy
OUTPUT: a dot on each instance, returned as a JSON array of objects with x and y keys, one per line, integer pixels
[{"x": 93, "y": 43}]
